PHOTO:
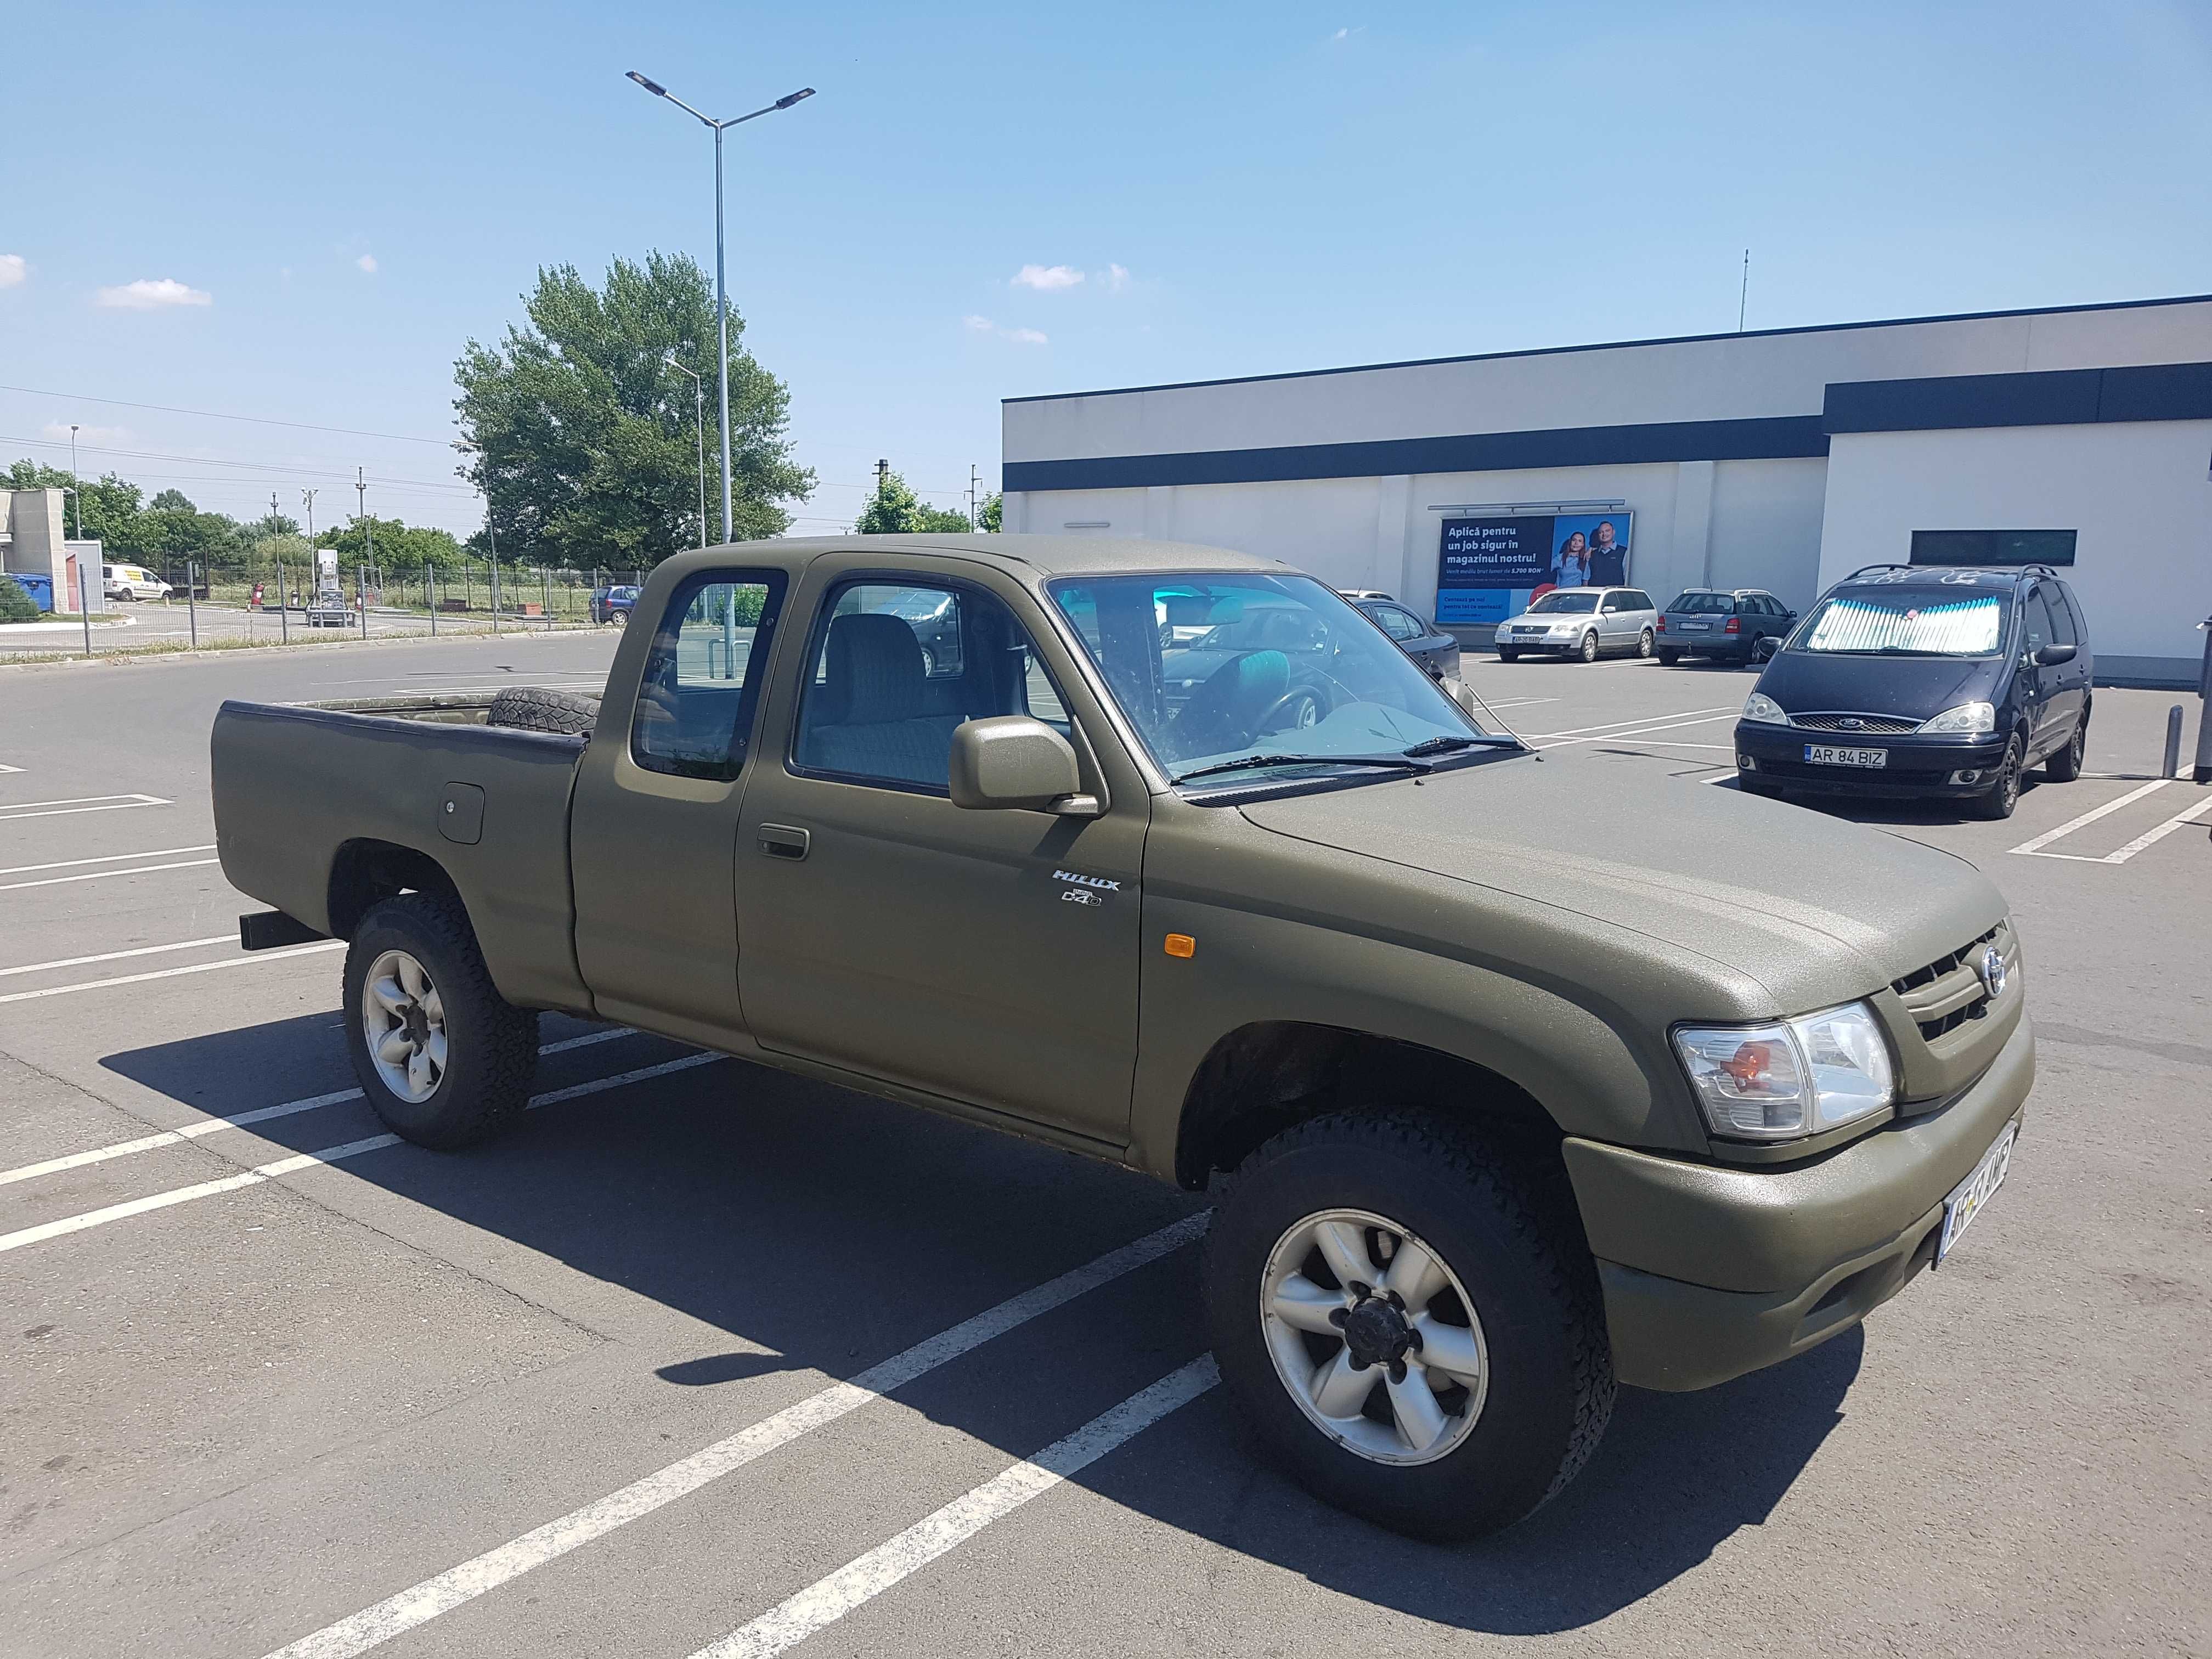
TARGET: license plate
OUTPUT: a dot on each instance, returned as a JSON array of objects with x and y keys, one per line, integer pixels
[
  {"x": 1826, "y": 754},
  {"x": 1693, "y": 627},
  {"x": 1969, "y": 1197}
]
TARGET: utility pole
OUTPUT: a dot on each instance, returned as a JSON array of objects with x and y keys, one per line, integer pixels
[
  {"x": 284, "y": 613},
  {"x": 972, "y": 477},
  {"x": 361, "y": 496},
  {"x": 1743, "y": 294},
  {"x": 76, "y": 495},
  {"x": 882, "y": 478}
]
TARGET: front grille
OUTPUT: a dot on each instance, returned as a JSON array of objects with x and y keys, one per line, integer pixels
[
  {"x": 1886, "y": 725},
  {"x": 1948, "y": 992}
]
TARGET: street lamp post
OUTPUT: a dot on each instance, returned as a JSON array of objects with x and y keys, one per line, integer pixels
[
  {"x": 699, "y": 406},
  {"x": 721, "y": 291}
]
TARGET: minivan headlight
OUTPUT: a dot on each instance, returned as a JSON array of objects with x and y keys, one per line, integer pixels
[
  {"x": 1791, "y": 1078},
  {"x": 1759, "y": 706},
  {"x": 1967, "y": 719}
]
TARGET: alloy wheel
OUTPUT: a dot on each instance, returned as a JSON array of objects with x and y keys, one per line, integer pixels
[
  {"x": 1374, "y": 1336},
  {"x": 1589, "y": 648},
  {"x": 402, "y": 1020}
]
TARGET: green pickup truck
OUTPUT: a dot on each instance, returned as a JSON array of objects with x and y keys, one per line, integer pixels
[{"x": 1509, "y": 1085}]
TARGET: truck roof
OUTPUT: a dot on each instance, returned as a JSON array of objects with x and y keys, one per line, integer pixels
[{"x": 1047, "y": 555}]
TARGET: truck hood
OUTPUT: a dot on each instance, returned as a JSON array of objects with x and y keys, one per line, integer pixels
[{"x": 1814, "y": 909}]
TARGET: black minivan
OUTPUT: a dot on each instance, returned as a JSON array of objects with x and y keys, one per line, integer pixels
[{"x": 1924, "y": 680}]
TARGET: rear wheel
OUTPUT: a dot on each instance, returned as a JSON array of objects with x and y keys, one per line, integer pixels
[
  {"x": 443, "y": 1059},
  {"x": 2065, "y": 766},
  {"x": 1646, "y": 644},
  {"x": 1410, "y": 1321},
  {"x": 1998, "y": 800},
  {"x": 1589, "y": 650}
]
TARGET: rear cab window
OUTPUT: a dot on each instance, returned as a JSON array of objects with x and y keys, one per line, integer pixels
[{"x": 703, "y": 676}]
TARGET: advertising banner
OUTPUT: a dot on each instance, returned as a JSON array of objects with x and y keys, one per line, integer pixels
[{"x": 1490, "y": 568}]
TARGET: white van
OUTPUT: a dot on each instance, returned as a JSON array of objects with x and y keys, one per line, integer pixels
[{"x": 131, "y": 581}]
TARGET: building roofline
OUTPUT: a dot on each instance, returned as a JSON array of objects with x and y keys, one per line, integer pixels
[{"x": 1614, "y": 345}]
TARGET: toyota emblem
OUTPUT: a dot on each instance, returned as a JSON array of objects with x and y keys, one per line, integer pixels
[{"x": 1992, "y": 970}]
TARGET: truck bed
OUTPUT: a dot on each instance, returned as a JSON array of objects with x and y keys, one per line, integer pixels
[{"x": 318, "y": 805}]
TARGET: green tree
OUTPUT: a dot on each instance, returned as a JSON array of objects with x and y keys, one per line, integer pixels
[
  {"x": 172, "y": 500},
  {"x": 15, "y": 605},
  {"x": 105, "y": 510},
  {"x": 392, "y": 544},
  {"x": 895, "y": 509},
  {"x": 586, "y": 439},
  {"x": 994, "y": 513}
]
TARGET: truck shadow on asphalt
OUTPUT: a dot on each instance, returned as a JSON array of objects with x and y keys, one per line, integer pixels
[{"x": 833, "y": 1229}]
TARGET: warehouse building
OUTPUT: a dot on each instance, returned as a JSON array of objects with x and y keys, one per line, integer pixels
[{"x": 2078, "y": 437}]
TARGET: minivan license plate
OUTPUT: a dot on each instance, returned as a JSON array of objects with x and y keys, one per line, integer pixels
[
  {"x": 1970, "y": 1195},
  {"x": 1827, "y": 754}
]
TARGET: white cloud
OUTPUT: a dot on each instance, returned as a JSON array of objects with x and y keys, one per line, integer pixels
[
  {"x": 368, "y": 263},
  {"x": 1019, "y": 336},
  {"x": 152, "y": 293},
  {"x": 1117, "y": 278},
  {"x": 14, "y": 268},
  {"x": 58, "y": 431},
  {"x": 1046, "y": 278}
]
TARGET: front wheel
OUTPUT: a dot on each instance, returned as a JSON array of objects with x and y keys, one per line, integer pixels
[
  {"x": 1998, "y": 800},
  {"x": 443, "y": 1059},
  {"x": 1410, "y": 1321},
  {"x": 1589, "y": 650},
  {"x": 1504, "y": 655}
]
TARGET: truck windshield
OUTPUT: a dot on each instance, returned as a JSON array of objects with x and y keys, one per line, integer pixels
[
  {"x": 1905, "y": 623},
  {"x": 1271, "y": 673}
]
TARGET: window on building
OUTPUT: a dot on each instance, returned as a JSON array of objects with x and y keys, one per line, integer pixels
[{"x": 2053, "y": 547}]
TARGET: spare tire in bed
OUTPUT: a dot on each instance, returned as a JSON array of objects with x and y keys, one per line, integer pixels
[{"x": 534, "y": 709}]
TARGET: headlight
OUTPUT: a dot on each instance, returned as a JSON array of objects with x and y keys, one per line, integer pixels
[
  {"x": 1758, "y": 707},
  {"x": 1968, "y": 717},
  {"x": 1793, "y": 1077}
]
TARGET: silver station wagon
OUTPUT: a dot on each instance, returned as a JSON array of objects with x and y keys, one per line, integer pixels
[{"x": 1588, "y": 622}]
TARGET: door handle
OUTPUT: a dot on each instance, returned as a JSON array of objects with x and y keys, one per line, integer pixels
[{"x": 784, "y": 841}]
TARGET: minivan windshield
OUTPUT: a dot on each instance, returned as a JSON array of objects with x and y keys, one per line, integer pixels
[
  {"x": 1262, "y": 675},
  {"x": 1905, "y": 623},
  {"x": 1560, "y": 603}
]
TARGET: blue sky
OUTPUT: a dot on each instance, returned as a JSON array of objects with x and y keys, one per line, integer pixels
[{"x": 340, "y": 196}]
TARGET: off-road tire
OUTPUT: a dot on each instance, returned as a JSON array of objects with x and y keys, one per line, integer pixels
[
  {"x": 1587, "y": 650},
  {"x": 1668, "y": 659},
  {"x": 1998, "y": 800},
  {"x": 2065, "y": 766},
  {"x": 1508, "y": 1227},
  {"x": 492, "y": 1046},
  {"x": 534, "y": 709}
]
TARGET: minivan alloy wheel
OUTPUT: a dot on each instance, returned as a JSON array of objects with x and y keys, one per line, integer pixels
[
  {"x": 403, "y": 1021},
  {"x": 1374, "y": 1337}
]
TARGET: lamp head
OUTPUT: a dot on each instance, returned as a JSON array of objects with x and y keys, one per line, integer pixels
[
  {"x": 653, "y": 86},
  {"x": 788, "y": 99}
]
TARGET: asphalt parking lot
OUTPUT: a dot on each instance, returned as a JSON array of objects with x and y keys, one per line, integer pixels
[{"x": 706, "y": 1357}]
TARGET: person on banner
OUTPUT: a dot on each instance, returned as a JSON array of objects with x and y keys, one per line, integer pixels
[
  {"x": 1573, "y": 569},
  {"x": 1608, "y": 558}
]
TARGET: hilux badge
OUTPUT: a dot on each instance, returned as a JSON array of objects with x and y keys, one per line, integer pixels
[{"x": 1992, "y": 970}]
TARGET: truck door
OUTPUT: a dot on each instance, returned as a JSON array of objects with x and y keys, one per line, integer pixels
[
  {"x": 988, "y": 956},
  {"x": 653, "y": 825}
]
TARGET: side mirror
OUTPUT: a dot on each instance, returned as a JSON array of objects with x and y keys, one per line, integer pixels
[
  {"x": 1019, "y": 762},
  {"x": 2051, "y": 655}
]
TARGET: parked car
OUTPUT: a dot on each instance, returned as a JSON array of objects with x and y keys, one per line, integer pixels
[
  {"x": 1742, "y": 625},
  {"x": 131, "y": 581},
  {"x": 1498, "y": 1142},
  {"x": 1918, "y": 680},
  {"x": 613, "y": 605},
  {"x": 1588, "y": 622},
  {"x": 1424, "y": 642}
]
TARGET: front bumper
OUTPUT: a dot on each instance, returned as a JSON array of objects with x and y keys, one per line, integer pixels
[
  {"x": 1919, "y": 765},
  {"x": 1711, "y": 1271}
]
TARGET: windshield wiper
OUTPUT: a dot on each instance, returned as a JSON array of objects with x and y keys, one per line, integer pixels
[
  {"x": 1450, "y": 745},
  {"x": 1395, "y": 762}
]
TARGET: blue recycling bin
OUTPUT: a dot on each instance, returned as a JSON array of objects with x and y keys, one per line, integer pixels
[{"x": 40, "y": 588}]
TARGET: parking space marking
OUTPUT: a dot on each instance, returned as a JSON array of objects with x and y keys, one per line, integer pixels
[
  {"x": 118, "y": 955},
  {"x": 864, "y": 1577},
  {"x": 433, "y": 1596},
  {"x": 260, "y": 1114},
  {"x": 10, "y": 768},
  {"x": 66, "y": 1224},
  {"x": 2150, "y": 837},
  {"x": 1640, "y": 732},
  {"x": 57, "y": 809},
  {"x": 246, "y": 961},
  {"x": 102, "y": 875},
  {"x": 2089, "y": 817},
  {"x": 1641, "y": 720},
  {"x": 110, "y": 858}
]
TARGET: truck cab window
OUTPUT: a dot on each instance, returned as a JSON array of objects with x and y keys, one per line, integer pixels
[
  {"x": 703, "y": 677},
  {"x": 896, "y": 667}
]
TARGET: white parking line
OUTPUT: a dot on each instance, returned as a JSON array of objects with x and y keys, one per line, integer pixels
[
  {"x": 1640, "y": 732},
  {"x": 2089, "y": 817},
  {"x": 77, "y": 1224},
  {"x": 102, "y": 875},
  {"x": 260, "y": 1114},
  {"x": 110, "y": 858},
  {"x": 246, "y": 961},
  {"x": 433, "y": 1596},
  {"x": 58, "y": 809},
  {"x": 10, "y": 768},
  {"x": 2150, "y": 837},
  {"x": 864, "y": 1577},
  {"x": 1642, "y": 719},
  {"x": 118, "y": 955}
]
